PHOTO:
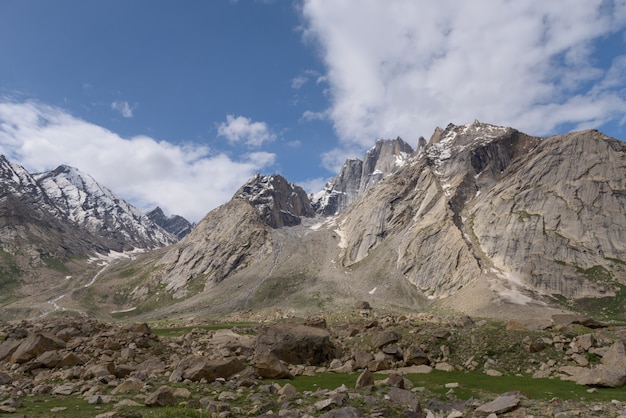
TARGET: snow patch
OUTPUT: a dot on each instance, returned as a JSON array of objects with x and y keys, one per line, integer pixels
[
  {"x": 343, "y": 242},
  {"x": 105, "y": 260},
  {"x": 371, "y": 292}
]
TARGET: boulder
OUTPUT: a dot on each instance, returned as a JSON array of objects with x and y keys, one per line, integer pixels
[
  {"x": 616, "y": 355},
  {"x": 500, "y": 405},
  {"x": 35, "y": 344},
  {"x": 196, "y": 368},
  {"x": 414, "y": 356},
  {"x": 296, "y": 344},
  {"x": 269, "y": 366},
  {"x": 8, "y": 347},
  {"x": 163, "y": 396},
  {"x": 382, "y": 338},
  {"x": 405, "y": 398},
  {"x": 365, "y": 379},
  {"x": 601, "y": 375}
]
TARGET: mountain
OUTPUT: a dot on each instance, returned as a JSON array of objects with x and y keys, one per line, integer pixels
[
  {"x": 356, "y": 175},
  {"x": 93, "y": 207},
  {"x": 54, "y": 225},
  {"x": 483, "y": 219},
  {"x": 175, "y": 225}
]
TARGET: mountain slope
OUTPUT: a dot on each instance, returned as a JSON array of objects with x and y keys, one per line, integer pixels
[
  {"x": 483, "y": 219},
  {"x": 52, "y": 225}
]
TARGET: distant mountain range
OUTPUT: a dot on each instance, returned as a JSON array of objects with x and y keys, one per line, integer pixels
[{"x": 480, "y": 219}]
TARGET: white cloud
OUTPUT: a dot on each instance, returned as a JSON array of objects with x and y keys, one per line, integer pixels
[
  {"x": 242, "y": 129},
  {"x": 313, "y": 185},
  {"x": 188, "y": 180},
  {"x": 123, "y": 108},
  {"x": 401, "y": 68},
  {"x": 298, "y": 82}
]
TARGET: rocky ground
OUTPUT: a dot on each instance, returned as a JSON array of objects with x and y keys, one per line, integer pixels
[{"x": 124, "y": 370}]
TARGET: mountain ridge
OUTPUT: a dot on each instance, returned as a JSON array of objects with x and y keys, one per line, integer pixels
[{"x": 482, "y": 219}]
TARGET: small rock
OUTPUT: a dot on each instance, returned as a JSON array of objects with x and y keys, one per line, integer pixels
[
  {"x": 365, "y": 379},
  {"x": 500, "y": 405},
  {"x": 163, "y": 396}
]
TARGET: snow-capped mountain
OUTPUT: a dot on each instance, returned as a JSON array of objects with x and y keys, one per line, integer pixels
[
  {"x": 95, "y": 208},
  {"x": 81, "y": 216}
]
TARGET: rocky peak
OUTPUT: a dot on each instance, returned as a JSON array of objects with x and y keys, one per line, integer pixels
[
  {"x": 175, "y": 224},
  {"x": 278, "y": 202},
  {"x": 94, "y": 207},
  {"x": 357, "y": 176}
]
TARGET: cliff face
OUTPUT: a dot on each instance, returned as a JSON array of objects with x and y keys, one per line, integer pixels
[
  {"x": 358, "y": 176},
  {"x": 529, "y": 216}
]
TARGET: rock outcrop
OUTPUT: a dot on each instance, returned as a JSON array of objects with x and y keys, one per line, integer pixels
[
  {"x": 278, "y": 202},
  {"x": 357, "y": 176}
]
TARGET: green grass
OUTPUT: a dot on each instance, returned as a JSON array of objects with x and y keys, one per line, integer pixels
[
  {"x": 478, "y": 385},
  {"x": 471, "y": 385},
  {"x": 56, "y": 264}
]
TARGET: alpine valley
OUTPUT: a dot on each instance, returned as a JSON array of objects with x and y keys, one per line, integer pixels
[{"x": 481, "y": 219}]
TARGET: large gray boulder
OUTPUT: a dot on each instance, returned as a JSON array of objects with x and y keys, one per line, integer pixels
[{"x": 296, "y": 344}]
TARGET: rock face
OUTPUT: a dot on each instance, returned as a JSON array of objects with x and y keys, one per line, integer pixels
[
  {"x": 357, "y": 176},
  {"x": 278, "y": 202},
  {"x": 222, "y": 242},
  {"x": 523, "y": 215},
  {"x": 175, "y": 225}
]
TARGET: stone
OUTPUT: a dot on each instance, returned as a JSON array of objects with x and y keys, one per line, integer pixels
[
  {"x": 382, "y": 338},
  {"x": 269, "y": 366},
  {"x": 365, "y": 379},
  {"x": 345, "y": 412},
  {"x": 405, "y": 398},
  {"x": 414, "y": 356},
  {"x": 500, "y": 405},
  {"x": 196, "y": 368},
  {"x": 5, "y": 378},
  {"x": 163, "y": 396},
  {"x": 531, "y": 345},
  {"x": 35, "y": 344},
  {"x": 296, "y": 344},
  {"x": 615, "y": 355},
  {"x": 601, "y": 375},
  {"x": 8, "y": 347},
  {"x": 362, "y": 358},
  {"x": 128, "y": 385}
]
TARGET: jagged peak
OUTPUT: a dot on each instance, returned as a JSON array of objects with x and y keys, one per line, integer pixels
[{"x": 446, "y": 142}]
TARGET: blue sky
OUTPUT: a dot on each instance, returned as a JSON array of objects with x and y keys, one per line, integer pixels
[{"x": 177, "y": 104}]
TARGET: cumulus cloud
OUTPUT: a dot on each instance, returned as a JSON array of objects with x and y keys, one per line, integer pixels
[
  {"x": 405, "y": 67},
  {"x": 242, "y": 129},
  {"x": 188, "y": 180},
  {"x": 123, "y": 108}
]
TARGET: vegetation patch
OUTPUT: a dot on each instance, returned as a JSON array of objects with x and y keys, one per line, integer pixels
[{"x": 56, "y": 264}]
